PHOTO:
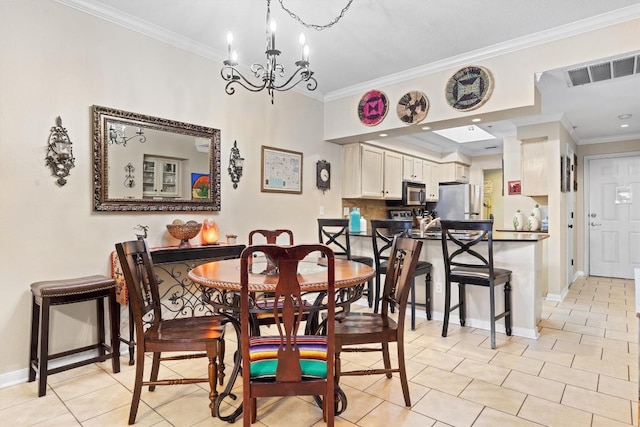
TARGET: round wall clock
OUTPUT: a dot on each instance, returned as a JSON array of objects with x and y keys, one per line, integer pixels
[
  {"x": 469, "y": 88},
  {"x": 413, "y": 107},
  {"x": 323, "y": 175},
  {"x": 373, "y": 107}
]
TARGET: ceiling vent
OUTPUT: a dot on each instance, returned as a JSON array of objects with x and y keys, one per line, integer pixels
[{"x": 601, "y": 71}]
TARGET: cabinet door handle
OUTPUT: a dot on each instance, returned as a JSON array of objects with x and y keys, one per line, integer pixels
[{"x": 594, "y": 224}]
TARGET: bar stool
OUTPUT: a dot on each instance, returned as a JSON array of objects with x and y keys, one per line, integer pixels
[{"x": 68, "y": 291}]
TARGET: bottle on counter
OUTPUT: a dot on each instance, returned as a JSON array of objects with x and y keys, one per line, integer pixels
[
  {"x": 354, "y": 221},
  {"x": 545, "y": 224},
  {"x": 363, "y": 225}
]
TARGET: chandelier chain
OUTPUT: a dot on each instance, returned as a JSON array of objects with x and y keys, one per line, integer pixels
[{"x": 316, "y": 26}]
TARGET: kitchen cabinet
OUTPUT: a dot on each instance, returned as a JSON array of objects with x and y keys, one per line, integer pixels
[
  {"x": 431, "y": 179},
  {"x": 412, "y": 169},
  {"x": 371, "y": 173},
  {"x": 392, "y": 175},
  {"x": 454, "y": 172},
  {"x": 160, "y": 177},
  {"x": 534, "y": 167}
]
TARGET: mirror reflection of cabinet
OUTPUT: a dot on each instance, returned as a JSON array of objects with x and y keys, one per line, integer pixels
[{"x": 161, "y": 177}]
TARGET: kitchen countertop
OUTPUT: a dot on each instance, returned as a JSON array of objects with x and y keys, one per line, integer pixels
[{"x": 498, "y": 236}]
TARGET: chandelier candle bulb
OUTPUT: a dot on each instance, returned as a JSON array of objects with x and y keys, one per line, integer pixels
[
  {"x": 273, "y": 27},
  {"x": 306, "y": 54},
  {"x": 229, "y": 41},
  {"x": 301, "y": 40}
]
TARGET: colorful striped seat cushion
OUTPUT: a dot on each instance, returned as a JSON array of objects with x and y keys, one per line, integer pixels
[{"x": 263, "y": 356}]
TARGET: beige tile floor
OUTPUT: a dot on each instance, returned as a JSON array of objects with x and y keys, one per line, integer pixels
[{"x": 582, "y": 371}]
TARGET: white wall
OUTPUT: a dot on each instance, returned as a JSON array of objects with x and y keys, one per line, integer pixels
[{"x": 59, "y": 61}]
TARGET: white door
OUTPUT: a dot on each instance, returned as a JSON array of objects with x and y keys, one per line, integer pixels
[{"x": 614, "y": 216}]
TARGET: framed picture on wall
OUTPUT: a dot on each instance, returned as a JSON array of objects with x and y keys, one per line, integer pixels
[
  {"x": 281, "y": 171},
  {"x": 515, "y": 187}
]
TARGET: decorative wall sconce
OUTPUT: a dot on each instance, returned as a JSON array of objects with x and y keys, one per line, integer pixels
[
  {"x": 235, "y": 165},
  {"x": 119, "y": 136},
  {"x": 59, "y": 153},
  {"x": 128, "y": 177}
]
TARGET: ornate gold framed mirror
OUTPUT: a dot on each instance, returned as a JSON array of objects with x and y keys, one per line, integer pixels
[{"x": 146, "y": 163}]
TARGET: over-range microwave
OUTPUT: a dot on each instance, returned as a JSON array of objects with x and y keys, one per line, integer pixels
[{"x": 413, "y": 193}]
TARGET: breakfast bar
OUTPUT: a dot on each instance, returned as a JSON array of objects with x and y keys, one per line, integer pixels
[{"x": 520, "y": 252}]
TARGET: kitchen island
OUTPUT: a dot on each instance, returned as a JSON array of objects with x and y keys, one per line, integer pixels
[{"x": 520, "y": 252}]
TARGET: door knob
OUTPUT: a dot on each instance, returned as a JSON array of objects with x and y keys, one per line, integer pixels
[
  {"x": 592, "y": 215},
  {"x": 570, "y": 225}
]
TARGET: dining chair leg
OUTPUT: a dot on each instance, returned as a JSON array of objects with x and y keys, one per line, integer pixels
[
  {"x": 507, "y": 307},
  {"x": 386, "y": 358},
  {"x": 137, "y": 387},
  {"x": 403, "y": 372},
  {"x": 447, "y": 308},
  {"x": 212, "y": 355},
  {"x": 155, "y": 369}
]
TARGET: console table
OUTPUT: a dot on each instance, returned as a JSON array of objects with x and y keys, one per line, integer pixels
[{"x": 179, "y": 295}]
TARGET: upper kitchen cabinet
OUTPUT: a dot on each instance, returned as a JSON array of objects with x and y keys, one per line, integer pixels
[
  {"x": 534, "y": 167},
  {"x": 371, "y": 173},
  {"x": 412, "y": 169},
  {"x": 454, "y": 172},
  {"x": 431, "y": 178},
  {"x": 392, "y": 175}
]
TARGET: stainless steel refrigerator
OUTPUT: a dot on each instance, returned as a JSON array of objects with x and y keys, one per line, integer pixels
[{"x": 459, "y": 201}]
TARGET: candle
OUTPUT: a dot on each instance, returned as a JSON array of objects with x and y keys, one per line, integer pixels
[
  {"x": 301, "y": 40},
  {"x": 273, "y": 34},
  {"x": 306, "y": 53},
  {"x": 229, "y": 41}
]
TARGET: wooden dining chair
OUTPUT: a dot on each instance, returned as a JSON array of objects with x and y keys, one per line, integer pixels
[
  {"x": 286, "y": 363},
  {"x": 271, "y": 236},
  {"x": 360, "y": 328},
  {"x": 382, "y": 234},
  {"x": 334, "y": 232},
  {"x": 156, "y": 335},
  {"x": 467, "y": 266}
]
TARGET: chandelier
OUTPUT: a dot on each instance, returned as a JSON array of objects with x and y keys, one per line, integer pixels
[{"x": 271, "y": 76}]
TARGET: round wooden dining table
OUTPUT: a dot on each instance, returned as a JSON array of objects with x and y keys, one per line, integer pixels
[
  {"x": 221, "y": 283},
  {"x": 225, "y": 274}
]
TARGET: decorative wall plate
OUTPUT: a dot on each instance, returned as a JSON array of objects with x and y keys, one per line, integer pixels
[
  {"x": 413, "y": 107},
  {"x": 373, "y": 107},
  {"x": 469, "y": 88}
]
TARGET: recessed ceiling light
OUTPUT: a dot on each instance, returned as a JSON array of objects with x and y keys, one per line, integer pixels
[
  {"x": 383, "y": 134},
  {"x": 464, "y": 134},
  {"x": 476, "y": 120},
  {"x": 426, "y": 128},
  {"x": 624, "y": 116},
  {"x": 624, "y": 126}
]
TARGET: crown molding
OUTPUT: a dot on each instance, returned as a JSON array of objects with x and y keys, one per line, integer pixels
[
  {"x": 575, "y": 28},
  {"x": 161, "y": 34}
]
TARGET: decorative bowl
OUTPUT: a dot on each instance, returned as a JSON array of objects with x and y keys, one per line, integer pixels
[{"x": 184, "y": 232}]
